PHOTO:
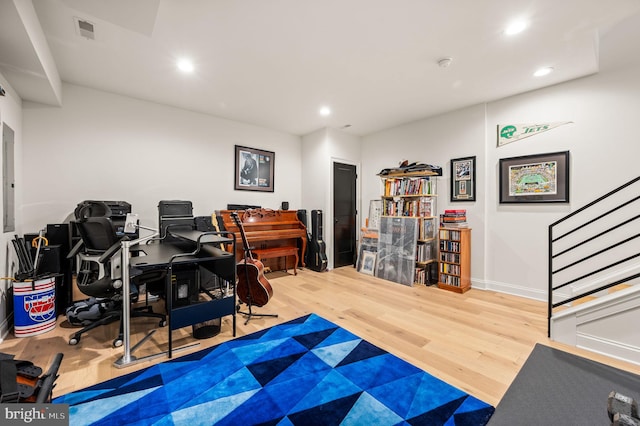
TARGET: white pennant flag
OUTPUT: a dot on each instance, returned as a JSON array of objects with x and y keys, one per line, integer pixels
[{"x": 508, "y": 133}]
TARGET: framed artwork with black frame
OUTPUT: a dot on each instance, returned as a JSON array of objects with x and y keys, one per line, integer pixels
[
  {"x": 539, "y": 178},
  {"x": 463, "y": 179},
  {"x": 254, "y": 169}
]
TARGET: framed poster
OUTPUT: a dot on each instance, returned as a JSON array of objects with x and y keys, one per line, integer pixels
[
  {"x": 368, "y": 262},
  {"x": 540, "y": 178},
  {"x": 254, "y": 169},
  {"x": 463, "y": 179},
  {"x": 375, "y": 210},
  {"x": 396, "y": 254}
]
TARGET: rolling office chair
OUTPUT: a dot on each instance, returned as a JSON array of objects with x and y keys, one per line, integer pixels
[{"x": 99, "y": 274}]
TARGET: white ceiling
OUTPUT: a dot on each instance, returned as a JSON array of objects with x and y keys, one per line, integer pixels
[{"x": 273, "y": 63}]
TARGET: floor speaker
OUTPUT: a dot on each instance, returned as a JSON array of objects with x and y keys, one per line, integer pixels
[
  {"x": 302, "y": 216},
  {"x": 51, "y": 262},
  {"x": 58, "y": 234}
]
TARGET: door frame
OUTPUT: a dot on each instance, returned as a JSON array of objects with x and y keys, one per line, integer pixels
[{"x": 329, "y": 216}]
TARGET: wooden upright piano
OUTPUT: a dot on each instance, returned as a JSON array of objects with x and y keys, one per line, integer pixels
[{"x": 273, "y": 235}]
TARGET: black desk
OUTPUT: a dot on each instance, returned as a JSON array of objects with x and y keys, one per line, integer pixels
[{"x": 187, "y": 248}]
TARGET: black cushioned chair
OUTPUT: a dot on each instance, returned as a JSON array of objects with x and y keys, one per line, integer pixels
[{"x": 99, "y": 274}]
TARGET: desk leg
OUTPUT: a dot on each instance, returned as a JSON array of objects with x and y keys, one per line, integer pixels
[
  {"x": 127, "y": 359},
  {"x": 126, "y": 302}
]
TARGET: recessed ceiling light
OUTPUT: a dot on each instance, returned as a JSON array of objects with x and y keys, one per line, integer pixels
[
  {"x": 543, "y": 71},
  {"x": 515, "y": 27},
  {"x": 325, "y": 111},
  {"x": 185, "y": 65}
]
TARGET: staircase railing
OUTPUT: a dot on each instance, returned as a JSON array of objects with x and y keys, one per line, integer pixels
[{"x": 595, "y": 247}]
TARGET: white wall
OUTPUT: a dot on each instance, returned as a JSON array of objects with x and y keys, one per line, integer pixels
[
  {"x": 11, "y": 114},
  {"x": 319, "y": 151},
  {"x": 434, "y": 141},
  {"x": 315, "y": 171},
  {"x": 109, "y": 147},
  {"x": 509, "y": 243},
  {"x": 603, "y": 146}
]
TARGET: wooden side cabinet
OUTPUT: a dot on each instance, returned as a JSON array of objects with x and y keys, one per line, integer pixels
[{"x": 454, "y": 269}]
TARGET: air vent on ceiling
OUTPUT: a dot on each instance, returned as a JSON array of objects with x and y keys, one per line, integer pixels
[{"x": 85, "y": 29}]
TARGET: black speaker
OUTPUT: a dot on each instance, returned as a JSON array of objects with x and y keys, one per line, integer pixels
[
  {"x": 59, "y": 234},
  {"x": 302, "y": 216},
  {"x": 316, "y": 225},
  {"x": 50, "y": 260},
  {"x": 204, "y": 224},
  {"x": 285, "y": 205}
]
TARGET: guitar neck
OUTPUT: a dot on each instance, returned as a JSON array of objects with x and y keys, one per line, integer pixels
[{"x": 245, "y": 243}]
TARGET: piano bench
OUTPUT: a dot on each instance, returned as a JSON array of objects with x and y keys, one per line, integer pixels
[{"x": 270, "y": 253}]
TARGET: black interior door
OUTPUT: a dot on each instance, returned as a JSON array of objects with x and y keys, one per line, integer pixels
[{"x": 344, "y": 214}]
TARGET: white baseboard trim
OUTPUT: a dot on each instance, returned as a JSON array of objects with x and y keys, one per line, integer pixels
[
  {"x": 512, "y": 289},
  {"x": 610, "y": 348}
]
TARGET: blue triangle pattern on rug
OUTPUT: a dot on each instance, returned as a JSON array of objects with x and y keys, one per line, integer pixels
[{"x": 307, "y": 371}]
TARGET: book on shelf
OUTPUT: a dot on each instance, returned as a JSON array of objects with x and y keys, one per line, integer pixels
[
  {"x": 455, "y": 218},
  {"x": 408, "y": 186},
  {"x": 455, "y": 224}
]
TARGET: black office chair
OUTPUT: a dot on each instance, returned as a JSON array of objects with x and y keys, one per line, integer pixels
[{"x": 99, "y": 275}]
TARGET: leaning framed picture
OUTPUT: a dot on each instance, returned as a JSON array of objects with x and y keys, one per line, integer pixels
[
  {"x": 540, "y": 178},
  {"x": 254, "y": 169},
  {"x": 368, "y": 263},
  {"x": 463, "y": 179},
  {"x": 375, "y": 210}
]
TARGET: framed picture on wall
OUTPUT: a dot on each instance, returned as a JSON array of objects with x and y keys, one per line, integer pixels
[
  {"x": 254, "y": 169},
  {"x": 463, "y": 179},
  {"x": 540, "y": 178}
]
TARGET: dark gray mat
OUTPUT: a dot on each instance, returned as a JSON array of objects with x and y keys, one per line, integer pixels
[{"x": 557, "y": 388}]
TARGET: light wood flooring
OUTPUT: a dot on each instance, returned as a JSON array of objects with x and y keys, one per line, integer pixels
[{"x": 476, "y": 341}]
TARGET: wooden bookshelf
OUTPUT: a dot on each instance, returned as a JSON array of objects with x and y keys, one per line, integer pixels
[
  {"x": 454, "y": 259},
  {"x": 412, "y": 196}
]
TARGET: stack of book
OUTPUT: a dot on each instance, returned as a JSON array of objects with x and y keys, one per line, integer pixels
[{"x": 454, "y": 218}]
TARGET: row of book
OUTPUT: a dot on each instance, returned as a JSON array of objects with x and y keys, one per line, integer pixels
[
  {"x": 421, "y": 276},
  {"x": 449, "y": 257},
  {"x": 454, "y": 218},
  {"x": 448, "y": 268},
  {"x": 408, "y": 186},
  {"x": 450, "y": 246},
  {"x": 449, "y": 234},
  {"x": 425, "y": 252},
  {"x": 419, "y": 207},
  {"x": 450, "y": 280},
  {"x": 425, "y": 275}
]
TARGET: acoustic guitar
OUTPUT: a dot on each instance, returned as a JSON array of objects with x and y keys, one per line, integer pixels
[{"x": 253, "y": 287}]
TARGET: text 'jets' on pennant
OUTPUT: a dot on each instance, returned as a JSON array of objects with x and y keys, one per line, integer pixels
[{"x": 508, "y": 133}]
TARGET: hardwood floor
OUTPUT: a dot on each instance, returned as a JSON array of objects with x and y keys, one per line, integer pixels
[{"x": 476, "y": 341}]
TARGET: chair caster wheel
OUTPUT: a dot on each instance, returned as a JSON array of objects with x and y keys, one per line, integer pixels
[
  {"x": 74, "y": 341},
  {"x": 162, "y": 323},
  {"x": 117, "y": 343}
]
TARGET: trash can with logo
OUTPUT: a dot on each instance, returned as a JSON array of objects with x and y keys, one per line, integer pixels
[{"x": 34, "y": 306}]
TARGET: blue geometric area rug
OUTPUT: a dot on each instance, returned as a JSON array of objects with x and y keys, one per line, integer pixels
[{"x": 307, "y": 371}]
